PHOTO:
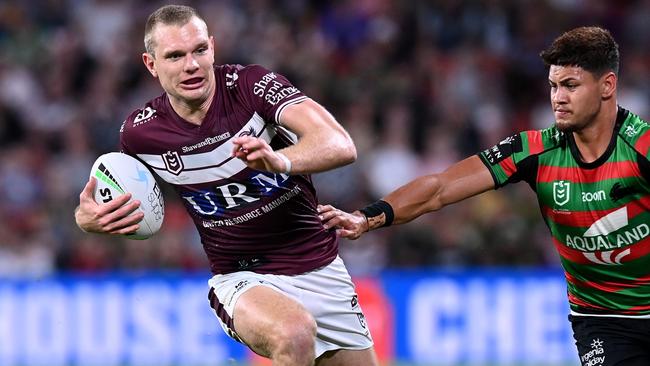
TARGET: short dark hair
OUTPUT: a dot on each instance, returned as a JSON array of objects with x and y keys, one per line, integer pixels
[
  {"x": 591, "y": 48},
  {"x": 168, "y": 15}
]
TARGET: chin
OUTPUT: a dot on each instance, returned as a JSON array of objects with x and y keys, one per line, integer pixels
[
  {"x": 565, "y": 126},
  {"x": 198, "y": 95}
]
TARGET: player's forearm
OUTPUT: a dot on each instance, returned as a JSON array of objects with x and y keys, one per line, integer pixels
[
  {"x": 415, "y": 198},
  {"x": 318, "y": 152},
  {"x": 428, "y": 193},
  {"x": 323, "y": 143},
  {"x": 404, "y": 204}
]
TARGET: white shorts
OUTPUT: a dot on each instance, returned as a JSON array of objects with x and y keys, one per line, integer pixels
[{"x": 327, "y": 293}]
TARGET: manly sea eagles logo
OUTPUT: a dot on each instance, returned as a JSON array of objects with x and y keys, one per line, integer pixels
[
  {"x": 250, "y": 132},
  {"x": 173, "y": 162},
  {"x": 561, "y": 192}
]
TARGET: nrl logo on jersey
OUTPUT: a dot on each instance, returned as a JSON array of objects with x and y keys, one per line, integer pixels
[
  {"x": 561, "y": 192},
  {"x": 173, "y": 162}
]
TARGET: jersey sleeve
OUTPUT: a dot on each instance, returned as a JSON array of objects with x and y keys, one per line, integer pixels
[
  {"x": 637, "y": 132},
  {"x": 124, "y": 136},
  {"x": 269, "y": 92},
  {"x": 639, "y": 135},
  {"x": 514, "y": 158}
]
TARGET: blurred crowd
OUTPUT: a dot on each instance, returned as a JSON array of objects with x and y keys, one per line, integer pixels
[{"x": 418, "y": 84}]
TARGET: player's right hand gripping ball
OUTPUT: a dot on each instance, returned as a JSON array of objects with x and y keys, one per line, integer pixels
[{"x": 119, "y": 173}]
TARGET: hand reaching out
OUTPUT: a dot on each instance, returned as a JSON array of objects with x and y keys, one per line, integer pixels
[
  {"x": 348, "y": 225},
  {"x": 258, "y": 154}
]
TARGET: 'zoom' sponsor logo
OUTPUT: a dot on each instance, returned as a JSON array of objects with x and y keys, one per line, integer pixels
[{"x": 594, "y": 196}]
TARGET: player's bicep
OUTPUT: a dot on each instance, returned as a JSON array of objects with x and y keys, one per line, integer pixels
[
  {"x": 309, "y": 116},
  {"x": 464, "y": 179}
]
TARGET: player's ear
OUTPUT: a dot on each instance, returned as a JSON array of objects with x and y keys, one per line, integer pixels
[
  {"x": 608, "y": 85},
  {"x": 212, "y": 46},
  {"x": 148, "y": 61}
]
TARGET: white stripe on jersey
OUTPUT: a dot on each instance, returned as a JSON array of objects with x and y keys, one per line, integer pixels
[
  {"x": 278, "y": 112},
  {"x": 213, "y": 165}
]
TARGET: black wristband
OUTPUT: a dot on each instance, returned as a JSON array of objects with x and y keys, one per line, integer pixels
[{"x": 377, "y": 208}]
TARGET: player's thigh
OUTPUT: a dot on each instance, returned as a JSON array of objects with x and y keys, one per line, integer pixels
[
  {"x": 610, "y": 341},
  {"x": 264, "y": 318},
  {"x": 346, "y": 357}
]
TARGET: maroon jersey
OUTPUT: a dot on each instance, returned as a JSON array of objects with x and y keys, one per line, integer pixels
[{"x": 248, "y": 219}]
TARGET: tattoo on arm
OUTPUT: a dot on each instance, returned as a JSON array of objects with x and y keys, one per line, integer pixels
[{"x": 376, "y": 221}]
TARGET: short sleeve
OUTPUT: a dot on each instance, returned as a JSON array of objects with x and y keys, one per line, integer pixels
[
  {"x": 269, "y": 92},
  {"x": 514, "y": 158}
]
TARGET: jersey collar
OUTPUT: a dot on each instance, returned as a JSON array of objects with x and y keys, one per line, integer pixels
[{"x": 621, "y": 116}]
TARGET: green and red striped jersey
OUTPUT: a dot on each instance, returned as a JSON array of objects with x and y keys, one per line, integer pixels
[{"x": 598, "y": 212}]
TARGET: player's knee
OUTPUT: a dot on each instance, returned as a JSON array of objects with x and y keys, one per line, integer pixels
[{"x": 297, "y": 337}]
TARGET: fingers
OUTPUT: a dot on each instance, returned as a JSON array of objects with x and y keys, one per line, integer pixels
[
  {"x": 347, "y": 234},
  {"x": 337, "y": 219},
  {"x": 238, "y": 149},
  {"x": 332, "y": 217},
  {"x": 121, "y": 217},
  {"x": 257, "y": 154},
  {"x": 126, "y": 225},
  {"x": 247, "y": 146},
  {"x": 325, "y": 208},
  {"x": 116, "y": 203},
  {"x": 89, "y": 188},
  {"x": 347, "y": 225},
  {"x": 127, "y": 230}
]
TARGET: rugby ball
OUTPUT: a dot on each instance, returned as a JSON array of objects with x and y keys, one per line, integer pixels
[{"x": 119, "y": 173}]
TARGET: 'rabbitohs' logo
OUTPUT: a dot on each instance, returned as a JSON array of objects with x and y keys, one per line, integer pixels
[{"x": 561, "y": 192}]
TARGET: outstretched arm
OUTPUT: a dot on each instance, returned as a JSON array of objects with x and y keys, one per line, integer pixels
[
  {"x": 322, "y": 144},
  {"x": 428, "y": 193}
]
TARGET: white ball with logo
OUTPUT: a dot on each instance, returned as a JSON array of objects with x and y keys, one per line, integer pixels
[{"x": 119, "y": 173}]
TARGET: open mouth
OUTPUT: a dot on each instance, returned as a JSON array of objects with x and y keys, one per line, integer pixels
[{"x": 193, "y": 82}]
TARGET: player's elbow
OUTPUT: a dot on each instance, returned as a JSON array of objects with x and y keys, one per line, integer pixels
[
  {"x": 346, "y": 151},
  {"x": 349, "y": 154},
  {"x": 435, "y": 193}
]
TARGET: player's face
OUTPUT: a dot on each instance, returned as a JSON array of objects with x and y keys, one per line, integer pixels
[
  {"x": 183, "y": 61},
  {"x": 575, "y": 97}
]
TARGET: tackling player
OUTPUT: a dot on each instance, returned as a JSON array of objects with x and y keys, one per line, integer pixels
[
  {"x": 238, "y": 144},
  {"x": 591, "y": 174}
]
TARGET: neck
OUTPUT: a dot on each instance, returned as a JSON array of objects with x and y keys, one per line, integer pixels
[
  {"x": 593, "y": 139},
  {"x": 192, "y": 112}
]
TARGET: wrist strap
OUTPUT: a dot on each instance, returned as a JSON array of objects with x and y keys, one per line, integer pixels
[
  {"x": 376, "y": 209},
  {"x": 287, "y": 162}
]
